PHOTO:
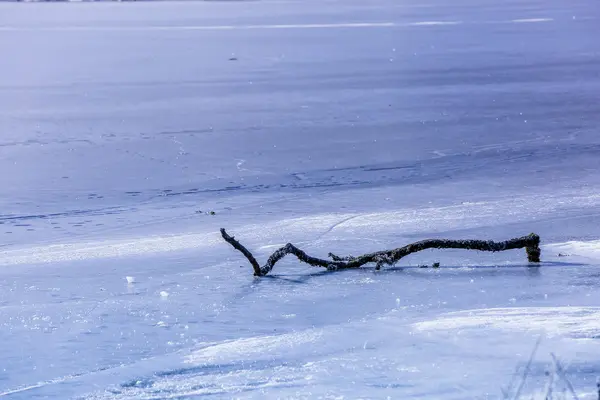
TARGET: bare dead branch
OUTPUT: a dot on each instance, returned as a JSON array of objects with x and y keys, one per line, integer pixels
[{"x": 531, "y": 243}]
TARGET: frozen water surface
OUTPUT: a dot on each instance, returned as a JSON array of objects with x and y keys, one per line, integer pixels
[{"x": 341, "y": 126}]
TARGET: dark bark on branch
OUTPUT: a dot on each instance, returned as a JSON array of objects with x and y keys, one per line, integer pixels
[
  {"x": 238, "y": 246},
  {"x": 531, "y": 243}
]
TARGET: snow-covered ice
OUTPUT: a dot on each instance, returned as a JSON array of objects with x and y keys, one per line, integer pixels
[{"x": 131, "y": 132}]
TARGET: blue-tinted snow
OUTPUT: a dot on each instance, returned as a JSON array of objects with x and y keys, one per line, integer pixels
[{"x": 342, "y": 126}]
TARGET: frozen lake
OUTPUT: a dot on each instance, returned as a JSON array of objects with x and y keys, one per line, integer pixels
[{"x": 343, "y": 126}]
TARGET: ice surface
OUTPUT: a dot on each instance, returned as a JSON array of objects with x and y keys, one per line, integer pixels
[{"x": 130, "y": 133}]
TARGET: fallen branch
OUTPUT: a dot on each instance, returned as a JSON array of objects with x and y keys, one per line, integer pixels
[{"x": 531, "y": 243}]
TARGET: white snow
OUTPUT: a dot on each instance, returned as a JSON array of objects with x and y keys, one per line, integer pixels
[
  {"x": 131, "y": 132},
  {"x": 253, "y": 349},
  {"x": 574, "y": 322},
  {"x": 532, "y": 20},
  {"x": 585, "y": 249}
]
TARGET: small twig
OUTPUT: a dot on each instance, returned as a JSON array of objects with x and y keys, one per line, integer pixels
[
  {"x": 560, "y": 371},
  {"x": 530, "y": 242},
  {"x": 527, "y": 368},
  {"x": 550, "y": 384}
]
